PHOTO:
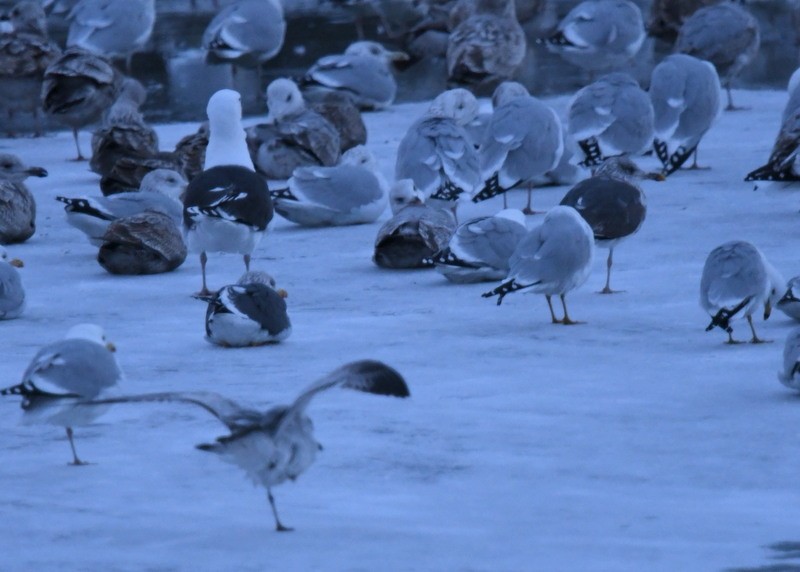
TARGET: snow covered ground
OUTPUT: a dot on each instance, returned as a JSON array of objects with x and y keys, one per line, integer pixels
[{"x": 637, "y": 441}]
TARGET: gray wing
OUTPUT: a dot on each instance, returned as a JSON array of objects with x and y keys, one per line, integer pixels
[
  {"x": 632, "y": 131},
  {"x": 369, "y": 376},
  {"x": 732, "y": 272},
  {"x": 367, "y": 78},
  {"x": 341, "y": 188},
  {"x": 131, "y": 203},
  {"x": 248, "y": 27},
  {"x": 592, "y": 110},
  {"x": 260, "y": 303},
  {"x": 12, "y": 294},
  {"x": 113, "y": 26},
  {"x": 487, "y": 240}
]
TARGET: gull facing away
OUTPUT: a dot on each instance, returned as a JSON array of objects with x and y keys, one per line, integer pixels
[
  {"x": 17, "y": 205},
  {"x": 12, "y": 293},
  {"x": 790, "y": 374},
  {"x": 725, "y": 34},
  {"x": 251, "y": 312},
  {"x": 227, "y": 207},
  {"x": 612, "y": 203},
  {"x": 278, "y": 444},
  {"x": 789, "y": 304},
  {"x": 160, "y": 191},
  {"x": 521, "y": 143},
  {"x": 64, "y": 376},
  {"x": 599, "y": 35},
  {"x": 612, "y": 116},
  {"x": 352, "y": 192},
  {"x": 480, "y": 248},
  {"x": 148, "y": 242},
  {"x": 362, "y": 73},
  {"x": 552, "y": 258},
  {"x": 736, "y": 281}
]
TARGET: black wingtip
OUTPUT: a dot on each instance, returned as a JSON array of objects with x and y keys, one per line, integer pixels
[
  {"x": 768, "y": 172},
  {"x": 382, "y": 379}
]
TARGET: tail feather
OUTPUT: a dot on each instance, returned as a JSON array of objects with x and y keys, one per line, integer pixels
[
  {"x": 504, "y": 289},
  {"x": 722, "y": 318},
  {"x": 491, "y": 188},
  {"x": 19, "y": 389},
  {"x": 677, "y": 159},
  {"x": 591, "y": 151},
  {"x": 448, "y": 258},
  {"x": 83, "y": 206},
  {"x": 662, "y": 152}
]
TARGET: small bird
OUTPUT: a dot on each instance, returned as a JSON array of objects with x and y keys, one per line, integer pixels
[
  {"x": 415, "y": 233},
  {"x": 352, "y": 192},
  {"x": 362, "y": 72},
  {"x": 78, "y": 88},
  {"x": 251, "y": 312},
  {"x": 552, "y": 258},
  {"x": 12, "y": 293},
  {"x": 17, "y": 205},
  {"x": 790, "y": 374},
  {"x": 480, "y": 248},
  {"x": 611, "y": 116},
  {"x": 161, "y": 191},
  {"x": 277, "y": 445},
  {"x": 789, "y": 303},
  {"x": 685, "y": 93},
  {"x": 736, "y": 281},
  {"x": 145, "y": 243},
  {"x": 612, "y": 203},
  {"x": 64, "y": 376},
  {"x": 293, "y": 135},
  {"x": 599, "y": 35},
  {"x": 725, "y": 34},
  {"x": 227, "y": 207}
]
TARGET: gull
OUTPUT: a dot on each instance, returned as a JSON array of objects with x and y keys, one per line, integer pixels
[
  {"x": 278, "y": 444},
  {"x": 251, "y": 312},
  {"x": 362, "y": 72},
  {"x": 129, "y": 171},
  {"x": 724, "y": 34},
  {"x": 612, "y": 203},
  {"x": 437, "y": 153},
  {"x": 25, "y": 53},
  {"x": 736, "y": 281},
  {"x": 145, "y": 243},
  {"x": 667, "y": 16},
  {"x": 611, "y": 116},
  {"x": 191, "y": 151},
  {"x": 486, "y": 42},
  {"x": 599, "y": 35},
  {"x": 344, "y": 115},
  {"x": 782, "y": 165},
  {"x": 352, "y": 192},
  {"x": 78, "y": 88},
  {"x": 415, "y": 232},
  {"x": 790, "y": 374},
  {"x": 12, "y": 294},
  {"x": 480, "y": 248},
  {"x": 685, "y": 93},
  {"x": 521, "y": 143},
  {"x": 292, "y": 136},
  {"x": 160, "y": 191},
  {"x": 789, "y": 303},
  {"x": 17, "y": 205},
  {"x": 64, "y": 376},
  {"x": 227, "y": 207},
  {"x": 552, "y": 258}
]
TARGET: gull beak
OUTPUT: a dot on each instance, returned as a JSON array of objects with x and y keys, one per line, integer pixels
[
  {"x": 16, "y": 263},
  {"x": 111, "y": 347},
  {"x": 655, "y": 176},
  {"x": 36, "y": 172},
  {"x": 282, "y": 293},
  {"x": 767, "y": 309},
  {"x": 399, "y": 56}
]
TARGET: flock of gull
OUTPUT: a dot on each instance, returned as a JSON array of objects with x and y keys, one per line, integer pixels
[{"x": 309, "y": 162}]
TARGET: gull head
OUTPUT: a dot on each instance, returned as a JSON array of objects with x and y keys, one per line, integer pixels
[
  {"x": 283, "y": 99},
  {"x": 14, "y": 170},
  {"x": 457, "y": 104},
  {"x": 360, "y": 156},
  {"x": 164, "y": 181},
  {"x": 259, "y": 277},
  {"x": 28, "y": 16},
  {"x": 90, "y": 332},
  {"x": 404, "y": 193},
  {"x": 15, "y": 262},
  {"x": 623, "y": 168},
  {"x": 224, "y": 106},
  {"x": 507, "y": 91},
  {"x": 375, "y": 50}
]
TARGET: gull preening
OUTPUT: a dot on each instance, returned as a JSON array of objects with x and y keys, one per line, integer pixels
[
  {"x": 17, "y": 205},
  {"x": 64, "y": 376},
  {"x": 552, "y": 259},
  {"x": 278, "y": 444},
  {"x": 12, "y": 293}
]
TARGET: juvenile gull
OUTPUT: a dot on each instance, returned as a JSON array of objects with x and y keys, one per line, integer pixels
[
  {"x": 522, "y": 142},
  {"x": 278, "y": 444},
  {"x": 293, "y": 135},
  {"x": 17, "y": 205},
  {"x": 78, "y": 88},
  {"x": 64, "y": 376},
  {"x": 12, "y": 294},
  {"x": 552, "y": 258},
  {"x": 145, "y": 243},
  {"x": 487, "y": 43},
  {"x": 612, "y": 203},
  {"x": 724, "y": 34},
  {"x": 227, "y": 207},
  {"x": 437, "y": 153},
  {"x": 352, "y": 192},
  {"x": 736, "y": 281},
  {"x": 129, "y": 171},
  {"x": 789, "y": 303},
  {"x": 599, "y": 35},
  {"x": 25, "y": 53},
  {"x": 161, "y": 191},
  {"x": 782, "y": 165},
  {"x": 344, "y": 115},
  {"x": 480, "y": 248},
  {"x": 611, "y": 116},
  {"x": 790, "y": 374},
  {"x": 415, "y": 232},
  {"x": 362, "y": 72},
  {"x": 246, "y": 32},
  {"x": 191, "y": 151},
  {"x": 685, "y": 93},
  {"x": 251, "y": 312}
]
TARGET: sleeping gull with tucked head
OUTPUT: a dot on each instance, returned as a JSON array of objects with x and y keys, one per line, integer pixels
[
  {"x": 227, "y": 207},
  {"x": 148, "y": 242},
  {"x": 64, "y": 376},
  {"x": 12, "y": 294}
]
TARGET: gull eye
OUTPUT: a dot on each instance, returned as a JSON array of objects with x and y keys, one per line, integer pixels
[{"x": 288, "y": 97}]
